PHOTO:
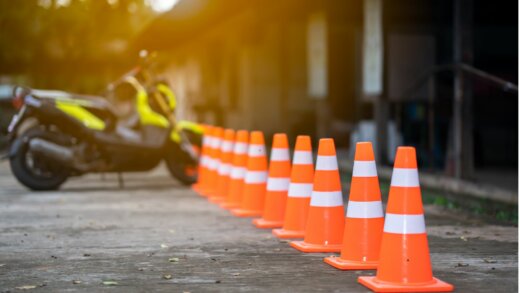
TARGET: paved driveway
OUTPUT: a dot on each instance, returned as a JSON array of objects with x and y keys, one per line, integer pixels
[{"x": 155, "y": 235}]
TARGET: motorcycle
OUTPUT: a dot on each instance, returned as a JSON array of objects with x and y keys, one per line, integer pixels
[{"x": 56, "y": 135}]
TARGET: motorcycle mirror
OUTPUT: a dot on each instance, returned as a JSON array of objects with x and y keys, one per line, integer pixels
[
  {"x": 19, "y": 91},
  {"x": 143, "y": 54}
]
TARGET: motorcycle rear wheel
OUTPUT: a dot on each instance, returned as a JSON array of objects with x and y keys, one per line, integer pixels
[{"x": 34, "y": 172}]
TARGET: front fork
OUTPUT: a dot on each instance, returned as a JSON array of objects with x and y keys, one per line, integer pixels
[
  {"x": 180, "y": 138},
  {"x": 15, "y": 123},
  {"x": 187, "y": 147}
]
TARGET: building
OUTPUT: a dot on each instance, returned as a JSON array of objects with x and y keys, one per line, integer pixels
[{"x": 433, "y": 74}]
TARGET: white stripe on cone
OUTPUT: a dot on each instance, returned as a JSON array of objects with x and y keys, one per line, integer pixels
[
  {"x": 255, "y": 177},
  {"x": 403, "y": 177},
  {"x": 213, "y": 164},
  {"x": 256, "y": 150},
  {"x": 404, "y": 224},
  {"x": 364, "y": 169},
  {"x": 208, "y": 161},
  {"x": 203, "y": 160},
  {"x": 302, "y": 158},
  {"x": 215, "y": 142},
  {"x": 224, "y": 169},
  {"x": 240, "y": 148},
  {"x": 226, "y": 146},
  {"x": 326, "y": 163},
  {"x": 279, "y": 154},
  {"x": 326, "y": 199},
  {"x": 206, "y": 141},
  {"x": 238, "y": 172},
  {"x": 364, "y": 209},
  {"x": 302, "y": 190},
  {"x": 278, "y": 184}
]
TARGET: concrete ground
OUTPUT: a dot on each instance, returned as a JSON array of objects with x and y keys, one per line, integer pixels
[{"x": 155, "y": 235}]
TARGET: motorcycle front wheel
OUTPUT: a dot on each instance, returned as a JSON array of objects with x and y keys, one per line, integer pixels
[
  {"x": 181, "y": 168},
  {"x": 180, "y": 164}
]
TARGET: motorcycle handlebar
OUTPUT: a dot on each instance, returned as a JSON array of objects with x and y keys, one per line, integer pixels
[{"x": 21, "y": 91}]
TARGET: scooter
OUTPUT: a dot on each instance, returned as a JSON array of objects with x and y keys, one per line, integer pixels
[{"x": 56, "y": 135}]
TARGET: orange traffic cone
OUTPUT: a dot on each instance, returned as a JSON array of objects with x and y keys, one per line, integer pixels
[
  {"x": 277, "y": 184},
  {"x": 226, "y": 155},
  {"x": 207, "y": 162},
  {"x": 253, "y": 197},
  {"x": 325, "y": 222},
  {"x": 201, "y": 180},
  {"x": 300, "y": 190},
  {"x": 364, "y": 220},
  {"x": 214, "y": 162},
  {"x": 404, "y": 264},
  {"x": 238, "y": 171}
]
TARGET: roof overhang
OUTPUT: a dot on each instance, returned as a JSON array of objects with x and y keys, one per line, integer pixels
[{"x": 185, "y": 20}]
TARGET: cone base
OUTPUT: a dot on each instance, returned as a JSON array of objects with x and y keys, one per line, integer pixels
[
  {"x": 204, "y": 192},
  {"x": 246, "y": 213},
  {"x": 344, "y": 264},
  {"x": 195, "y": 187},
  {"x": 287, "y": 234},
  {"x": 308, "y": 247},
  {"x": 266, "y": 224},
  {"x": 228, "y": 205},
  {"x": 214, "y": 199},
  {"x": 379, "y": 286}
]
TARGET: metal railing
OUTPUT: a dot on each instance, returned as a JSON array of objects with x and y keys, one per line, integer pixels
[
  {"x": 425, "y": 77},
  {"x": 428, "y": 78}
]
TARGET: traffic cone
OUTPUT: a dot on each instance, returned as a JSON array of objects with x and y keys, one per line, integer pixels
[
  {"x": 207, "y": 162},
  {"x": 226, "y": 155},
  {"x": 325, "y": 222},
  {"x": 213, "y": 164},
  {"x": 404, "y": 264},
  {"x": 277, "y": 184},
  {"x": 253, "y": 197},
  {"x": 238, "y": 171},
  {"x": 201, "y": 180},
  {"x": 364, "y": 220},
  {"x": 300, "y": 190}
]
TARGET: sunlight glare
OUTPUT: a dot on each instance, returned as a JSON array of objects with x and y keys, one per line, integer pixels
[{"x": 162, "y": 5}]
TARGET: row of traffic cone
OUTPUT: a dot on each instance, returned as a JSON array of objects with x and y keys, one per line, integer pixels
[{"x": 301, "y": 201}]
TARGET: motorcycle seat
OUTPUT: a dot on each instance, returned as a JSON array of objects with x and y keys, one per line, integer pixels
[
  {"x": 89, "y": 101},
  {"x": 96, "y": 104}
]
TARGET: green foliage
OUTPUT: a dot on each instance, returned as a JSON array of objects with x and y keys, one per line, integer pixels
[{"x": 75, "y": 44}]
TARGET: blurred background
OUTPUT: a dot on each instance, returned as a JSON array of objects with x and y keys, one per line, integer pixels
[{"x": 439, "y": 75}]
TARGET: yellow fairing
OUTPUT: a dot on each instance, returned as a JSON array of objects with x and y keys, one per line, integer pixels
[
  {"x": 165, "y": 90},
  {"x": 146, "y": 114},
  {"x": 81, "y": 114},
  {"x": 182, "y": 125},
  {"x": 192, "y": 126}
]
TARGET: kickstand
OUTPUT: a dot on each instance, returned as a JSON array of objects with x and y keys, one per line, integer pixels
[{"x": 120, "y": 180}]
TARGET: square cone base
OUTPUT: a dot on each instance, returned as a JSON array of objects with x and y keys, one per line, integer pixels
[
  {"x": 379, "y": 286},
  {"x": 343, "y": 264},
  {"x": 215, "y": 199},
  {"x": 228, "y": 205},
  {"x": 246, "y": 213},
  {"x": 204, "y": 192},
  {"x": 309, "y": 247},
  {"x": 266, "y": 224},
  {"x": 288, "y": 234},
  {"x": 195, "y": 187}
]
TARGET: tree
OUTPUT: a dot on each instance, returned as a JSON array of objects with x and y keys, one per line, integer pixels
[{"x": 76, "y": 45}]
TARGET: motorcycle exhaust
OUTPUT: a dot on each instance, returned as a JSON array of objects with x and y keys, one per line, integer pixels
[{"x": 53, "y": 151}]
